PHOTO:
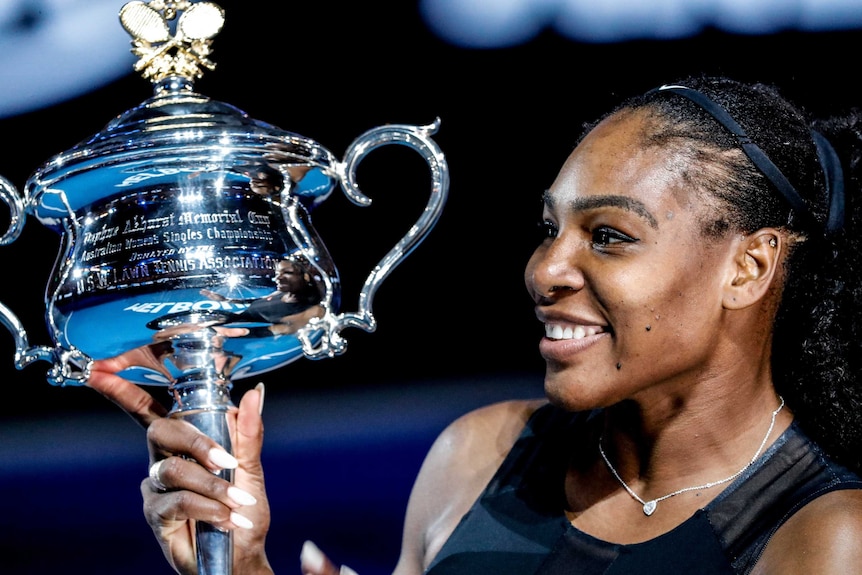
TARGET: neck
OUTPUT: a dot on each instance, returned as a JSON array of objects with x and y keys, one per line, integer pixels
[{"x": 659, "y": 449}]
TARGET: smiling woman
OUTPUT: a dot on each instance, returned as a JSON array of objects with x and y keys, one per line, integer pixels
[{"x": 698, "y": 283}]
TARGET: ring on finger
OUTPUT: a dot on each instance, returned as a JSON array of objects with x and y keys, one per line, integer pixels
[{"x": 155, "y": 468}]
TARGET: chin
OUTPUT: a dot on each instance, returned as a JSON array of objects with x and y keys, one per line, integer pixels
[
  {"x": 577, "y": 392},
  {"x": 566, "y": 393}
]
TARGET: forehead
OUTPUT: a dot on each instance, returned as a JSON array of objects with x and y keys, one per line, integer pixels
[{"x": 615, "y": 165}]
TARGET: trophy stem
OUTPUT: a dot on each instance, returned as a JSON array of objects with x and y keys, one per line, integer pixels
[{"x": 202, "y": 397}]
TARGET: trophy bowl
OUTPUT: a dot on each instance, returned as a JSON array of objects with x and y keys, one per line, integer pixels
[{"x": 185, "y": 229}]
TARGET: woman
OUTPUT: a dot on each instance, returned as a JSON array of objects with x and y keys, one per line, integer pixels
[{"x": 697, "y": 279}]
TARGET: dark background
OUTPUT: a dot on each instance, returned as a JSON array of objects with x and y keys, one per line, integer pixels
[{"x": 345, "y": 436}]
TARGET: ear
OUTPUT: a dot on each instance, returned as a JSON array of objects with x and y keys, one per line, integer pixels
[{"x": 755, "y": 266}]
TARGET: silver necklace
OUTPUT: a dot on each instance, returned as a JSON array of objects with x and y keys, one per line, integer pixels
[{"x": 650, "y": 506}]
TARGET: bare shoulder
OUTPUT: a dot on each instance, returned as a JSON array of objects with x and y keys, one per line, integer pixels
[
  {"x": 486, "y": 433},
  {"x": 471, "y": 448},
  {"x": 461, "y": 461},
  {"x": 823, "y": 537}
]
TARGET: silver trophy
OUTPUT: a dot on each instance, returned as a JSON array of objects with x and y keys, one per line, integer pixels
[{"x": 185, "y": 231}]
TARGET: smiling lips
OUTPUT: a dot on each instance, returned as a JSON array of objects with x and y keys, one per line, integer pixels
[{"x": 557, "y": 331}]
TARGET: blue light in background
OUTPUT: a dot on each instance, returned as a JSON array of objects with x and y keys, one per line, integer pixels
[
  {"x": 504, "y": 23},
  {"x": 54, "y": 50}
]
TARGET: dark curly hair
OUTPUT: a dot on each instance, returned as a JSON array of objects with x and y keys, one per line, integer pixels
[{"x": 817, "y": 344}]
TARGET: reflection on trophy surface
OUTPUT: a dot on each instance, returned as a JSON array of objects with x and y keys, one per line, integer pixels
[
  {"x": 186, "y": 230},
  {"x": 295, "y": 301}
]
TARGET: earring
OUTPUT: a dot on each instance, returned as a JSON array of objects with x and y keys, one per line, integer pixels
[{"x": 772, "y": 242}]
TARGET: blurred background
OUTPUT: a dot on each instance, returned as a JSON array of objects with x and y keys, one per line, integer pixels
[{"x": 512, "y": 82}]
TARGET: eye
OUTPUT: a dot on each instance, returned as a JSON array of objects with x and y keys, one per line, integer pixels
[
  {"x": 604, "y": 236},
  {"x": 547, "y": 230}
]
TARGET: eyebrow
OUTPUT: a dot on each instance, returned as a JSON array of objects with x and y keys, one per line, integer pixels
[{"x": 593, "y": 202}]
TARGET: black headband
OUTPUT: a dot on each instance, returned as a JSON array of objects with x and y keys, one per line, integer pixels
[{"x": 829, "y": 161}]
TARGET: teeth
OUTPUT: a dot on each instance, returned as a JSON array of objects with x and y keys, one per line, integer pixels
[{"x": 553, "y": 331}]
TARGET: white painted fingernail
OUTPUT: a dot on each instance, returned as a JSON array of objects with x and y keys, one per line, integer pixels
[
  {"x": 262, "y": 389},
  {"x": 311, "y": 556},
  {"x": 241, "y": 520},
  {"x": 345, "y": 570},
  {"x": 241, "y": 496},
  {"x": 222, "y": 458}
]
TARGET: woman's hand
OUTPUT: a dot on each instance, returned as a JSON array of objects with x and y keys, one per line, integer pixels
[
  {"x": 182, "y": 487},
  {"x": 133, "y": 399},
  {"x": 314, "y": 562},
  {"x": 185, "y": 489}
]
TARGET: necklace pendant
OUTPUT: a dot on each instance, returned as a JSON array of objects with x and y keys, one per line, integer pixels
[{"x": 649, "y": 507}]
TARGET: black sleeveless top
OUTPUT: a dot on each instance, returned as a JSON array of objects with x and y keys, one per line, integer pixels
[
  {"x": 272, "y": 309},
  {"x": 518, "y": 525}
]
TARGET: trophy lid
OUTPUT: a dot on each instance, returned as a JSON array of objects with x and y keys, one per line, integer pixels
[{"x": 177, "y": 128}]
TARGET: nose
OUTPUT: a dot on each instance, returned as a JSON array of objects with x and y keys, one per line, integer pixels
[{"x": 554, "y": 270}]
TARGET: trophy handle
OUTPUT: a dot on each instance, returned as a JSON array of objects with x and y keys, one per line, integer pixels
[
  {"x": 69, "y": 366},
  {"x": 10, "y": 196},
  {"x": 419, "y": 139}
]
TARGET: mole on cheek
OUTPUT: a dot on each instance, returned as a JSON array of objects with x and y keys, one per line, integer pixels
[{"x": 619, "y": 366}]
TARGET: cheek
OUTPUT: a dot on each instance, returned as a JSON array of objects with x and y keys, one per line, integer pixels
[
  {"x": 675, "y": 335},
  {"x": 655, "y": 308}
]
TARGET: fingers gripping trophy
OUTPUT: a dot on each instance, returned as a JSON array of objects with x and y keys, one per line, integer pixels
[{"x": 185, "y": 225}]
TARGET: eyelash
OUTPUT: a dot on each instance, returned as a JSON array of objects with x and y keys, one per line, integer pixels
[
  {"x": 546, "y": 229},
  {"x": 610, "y": 236},
  {"x": 600, "y": 237}
]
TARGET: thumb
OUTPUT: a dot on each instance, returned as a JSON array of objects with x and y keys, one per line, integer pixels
[
  {"x": 314, "y": 562},
  {"x": 249, "y": 425}
]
